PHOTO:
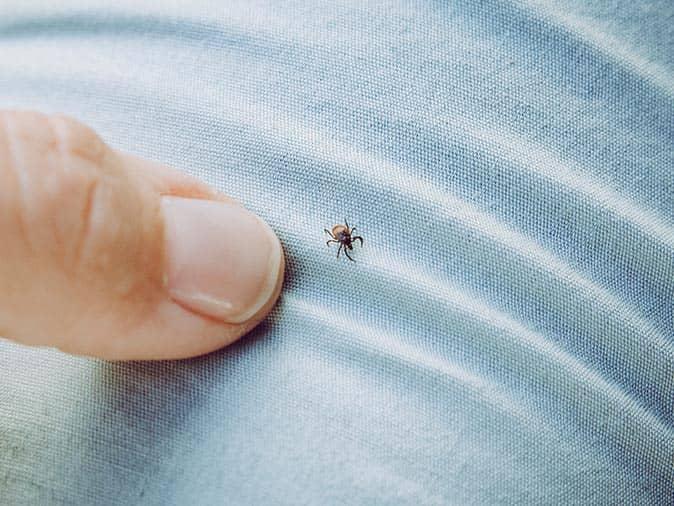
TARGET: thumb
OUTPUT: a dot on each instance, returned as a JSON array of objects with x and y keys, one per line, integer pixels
[{"x": 107, "y": 255}]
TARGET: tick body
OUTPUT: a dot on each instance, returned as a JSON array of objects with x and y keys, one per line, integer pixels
[{"x": 343, "y": 235}]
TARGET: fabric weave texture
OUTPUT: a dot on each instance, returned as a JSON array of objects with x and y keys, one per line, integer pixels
[{"x": 506, "y": 335}]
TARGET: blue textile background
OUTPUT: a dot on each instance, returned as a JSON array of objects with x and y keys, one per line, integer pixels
[{"x": 507, "y": 334}]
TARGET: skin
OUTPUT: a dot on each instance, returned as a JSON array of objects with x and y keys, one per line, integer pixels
[{"x": 83, "y": 260}]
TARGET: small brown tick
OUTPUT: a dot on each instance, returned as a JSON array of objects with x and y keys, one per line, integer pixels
[{"x": 342, "y": 234}]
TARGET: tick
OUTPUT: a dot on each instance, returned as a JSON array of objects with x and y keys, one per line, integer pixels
[{"x": 343, "y": 235}]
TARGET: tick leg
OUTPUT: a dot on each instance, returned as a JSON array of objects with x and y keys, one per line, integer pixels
[
  {"x": 339, "y": 250},
  {"x": 347, "y": 255},
  {"x": 329, "y": 233},
  {"x": 331, "y": 240},
  {"x": 346, "y": 223},
  {"x": 358, "y": 238}
]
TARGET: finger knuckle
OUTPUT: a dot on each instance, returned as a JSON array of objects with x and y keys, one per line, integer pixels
[
  {"x": 65, "y": 211},
  {"x": 52, "y": 190},
  {"x": 75, "y": 189},
  {"x": 53, "y": 142},
  {"x": 76, "y": 142}
]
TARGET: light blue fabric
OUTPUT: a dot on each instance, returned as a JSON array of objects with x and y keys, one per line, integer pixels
[{"x": 506, "y": 335}]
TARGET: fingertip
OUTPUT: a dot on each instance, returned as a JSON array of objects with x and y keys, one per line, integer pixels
[{"x": 221, "y": 260}]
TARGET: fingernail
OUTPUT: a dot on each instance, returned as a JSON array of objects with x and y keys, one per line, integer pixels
[{"x": 221, "y": 260}]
